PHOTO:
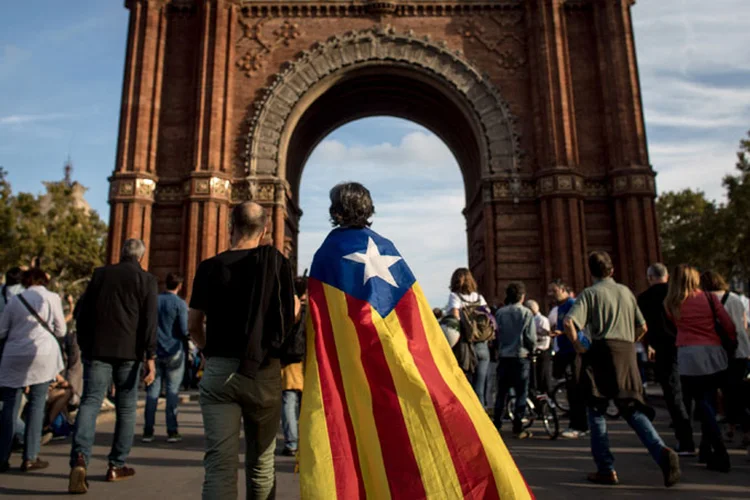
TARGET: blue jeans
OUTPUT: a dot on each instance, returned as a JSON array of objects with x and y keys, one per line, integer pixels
[
  {"x": 97, "y": 377},
  {"x": 170, "y": 370},
  {"x": 11, "y": 399},
  {"x": 482, "y": 352},
  {"x": 290, "y": 401},
  {"x": 512, "y": 372},
  {"x": 637, "y": 421}
]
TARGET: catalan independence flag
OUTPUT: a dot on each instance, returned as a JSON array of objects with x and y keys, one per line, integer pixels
[{"x": 387, "y": 412}]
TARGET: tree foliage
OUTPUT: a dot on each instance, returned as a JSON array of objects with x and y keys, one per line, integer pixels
[
  {"x": 66, "y": 239},
  {"x": 708, "y": 235}
]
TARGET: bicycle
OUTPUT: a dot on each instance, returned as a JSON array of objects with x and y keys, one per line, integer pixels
[{"x": 538, "y": 406}]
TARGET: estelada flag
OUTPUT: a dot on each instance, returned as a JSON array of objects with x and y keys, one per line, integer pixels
[{"x": 387, "y": 412}]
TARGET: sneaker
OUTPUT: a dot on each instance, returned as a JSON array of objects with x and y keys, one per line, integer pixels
[
  {"x": 174, "y": 437},
  {"x": 288, "y": 452},
  {"x": 523, "y": 435},
  {"x": 608, "y": 478},
  {"x": 670, "y": 467},
  {"x": 47, "y": 437},
  {"x": 573, "y": 434},
  {"x": 147, "y": 438},
  {"x": 115, "y": 474}
]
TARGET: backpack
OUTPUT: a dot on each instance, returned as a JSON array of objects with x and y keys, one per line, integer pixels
[{"x": 477, "y": 322}]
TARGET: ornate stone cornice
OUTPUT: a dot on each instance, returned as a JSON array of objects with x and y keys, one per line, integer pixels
[
  {"x": 132, "y": 186},
  {"x": 266, "y": 190},
  {"x": 499, "y": 141},
  {"x": 365, "y": 8}
]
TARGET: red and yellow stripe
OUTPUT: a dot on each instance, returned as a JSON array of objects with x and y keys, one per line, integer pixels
[{"x": 387, "y": 412}]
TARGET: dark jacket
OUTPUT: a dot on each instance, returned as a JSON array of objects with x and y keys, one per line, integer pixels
[
  {"x": 117, "y": 316},
  {"x": 661, "y": 331}
]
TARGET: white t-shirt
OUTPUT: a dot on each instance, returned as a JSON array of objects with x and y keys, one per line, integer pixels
[
  {"x": 736, "y": 310},
  {"x": 456, "y": 300},
  {"x": 542, "y": 324}
]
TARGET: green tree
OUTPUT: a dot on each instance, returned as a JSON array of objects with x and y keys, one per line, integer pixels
[
  {"x": 55, "y": 229},
  {"x": 691, "y": 230},
  {"x": 738, "y": 212}
]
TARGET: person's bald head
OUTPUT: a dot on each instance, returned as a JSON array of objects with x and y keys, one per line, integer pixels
[{"x": 248, "y": 221}]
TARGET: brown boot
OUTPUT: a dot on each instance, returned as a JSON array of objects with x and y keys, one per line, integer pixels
[
  {"x": 30, "y": 465},
  {"x": 119, "y": 473},
  {"x": 608, "y": 478},
  {"x": 77, "y": 483}
]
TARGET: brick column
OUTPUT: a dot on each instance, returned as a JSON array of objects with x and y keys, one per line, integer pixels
[
  {"x": 209, "y": 187},
  {"x": 134, "y": 178},
  {"x": 630, "y": 175},
  {"x": 558, "y": 181}
]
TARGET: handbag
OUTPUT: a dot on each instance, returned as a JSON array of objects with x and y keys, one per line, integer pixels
[{"x": 728, "y": 343}]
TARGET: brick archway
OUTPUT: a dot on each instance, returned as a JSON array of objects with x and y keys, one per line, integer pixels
[
  {"x": 224, "y": 99},
  {"x": 371, "y": 72}
]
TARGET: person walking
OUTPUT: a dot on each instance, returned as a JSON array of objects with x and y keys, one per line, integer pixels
[
  {"x": 246, "y": 297},
  {"x": 30, "y": 325},
  {"x": 292, "y": 381},
  {"x": 566, "y": 363},
  {"x": 735, "y": 391},
  {"x": 465, "y": 297},
  {"x": 172, "y": 332},
  {"x": 116, "y": 326},
  {"x": 516, "y": 341},
  {"x": 610, "y": 314},
  {"x": 661, "y": 345}
]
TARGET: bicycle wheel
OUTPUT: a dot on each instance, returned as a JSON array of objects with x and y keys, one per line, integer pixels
[
  {"x": 550, "y": 419},
  {"x": 560, "y": 397},
  {"x": 528, "y": 419}
]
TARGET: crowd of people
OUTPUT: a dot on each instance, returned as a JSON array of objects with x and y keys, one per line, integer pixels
[
  {"x": 691, "y": 326},
  {"x": 243, "y": 335}
]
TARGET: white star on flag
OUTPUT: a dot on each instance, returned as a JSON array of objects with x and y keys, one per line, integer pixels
[{"x": 376, "y": 265}]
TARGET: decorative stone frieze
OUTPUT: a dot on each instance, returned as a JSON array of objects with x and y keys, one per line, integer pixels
[
  {"x": 641, "y": 183},
  {"x": 364, "y": 8},
  {"x": 128, "y": 186},
  {"x": 509, "y": 49},
  {"x": 205, "y": 185},
  {"x": 499, "y": 139},
  {"x": 560, "y": 184}
]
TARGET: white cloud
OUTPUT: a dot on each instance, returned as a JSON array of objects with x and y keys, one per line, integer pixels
[
  {"x": 29, "y": 118},
  {"x": 694, "y": 65},
  {"x": 418, "y": 194}
]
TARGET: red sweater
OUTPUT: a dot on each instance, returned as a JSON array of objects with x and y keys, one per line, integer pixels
[{"x": 696, "y": 323}]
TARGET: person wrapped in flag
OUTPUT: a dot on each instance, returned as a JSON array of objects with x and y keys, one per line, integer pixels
[{"x": 387, "y": 412}]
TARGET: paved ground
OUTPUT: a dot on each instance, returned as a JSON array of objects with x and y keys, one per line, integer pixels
[{"x": 554, "y": 469}]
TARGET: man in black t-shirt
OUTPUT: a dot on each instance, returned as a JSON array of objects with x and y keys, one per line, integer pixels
[{"x": 246, "y": 297}]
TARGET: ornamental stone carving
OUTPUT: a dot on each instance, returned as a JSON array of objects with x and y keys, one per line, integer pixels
[
  {"x": 130, "y": 186},
  {"x": 499, "y": 141},
  {"x": 212, "y": 187},
  {"x": 256, "y": 43},
  {"x": 509, "y": 49}
]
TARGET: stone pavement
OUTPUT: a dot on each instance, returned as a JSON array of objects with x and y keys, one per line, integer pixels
[{"x": 554, "y": 469}]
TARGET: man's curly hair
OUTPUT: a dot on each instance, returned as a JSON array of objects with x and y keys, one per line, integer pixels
[{"x": 351, "y": 205}]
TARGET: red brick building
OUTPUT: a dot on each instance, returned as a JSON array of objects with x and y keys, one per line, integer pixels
[{"x": 539, "y": 100}]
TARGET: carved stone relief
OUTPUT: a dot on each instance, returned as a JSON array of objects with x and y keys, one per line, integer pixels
[
  {"x": 509, "y": 49},
  {"x": 257, "y": 41}
]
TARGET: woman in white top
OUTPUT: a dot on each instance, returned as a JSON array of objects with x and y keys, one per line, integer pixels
[
  {"x": 31, "y": 358},
  {"x": 735, "y": 397},
  {"x": 464, "y": 292}
]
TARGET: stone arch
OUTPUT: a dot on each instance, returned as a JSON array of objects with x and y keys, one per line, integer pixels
[{"x": 272, "y": 120}]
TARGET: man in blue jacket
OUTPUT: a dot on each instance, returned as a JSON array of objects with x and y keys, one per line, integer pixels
[
  {"x": 566, "y": 359},
  {"x": 170, "y": 358}
]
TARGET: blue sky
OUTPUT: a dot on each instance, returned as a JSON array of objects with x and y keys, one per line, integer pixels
[{"x": 61, "y": 69}]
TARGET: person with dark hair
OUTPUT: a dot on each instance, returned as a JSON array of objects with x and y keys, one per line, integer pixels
[
  {"x": 351, "y": 205},
  {"x": 293, "y": 380},
  {"x": 465, "y": 303},
  {"x": 516, "y": 341},
  {"x": 566, "y": 363},
  {"x": 11, "y": 287},
  {"x": 172, "y": 332},
  {"x": 245, "y": 298},
  {"x": 31, "y": 325},
  {"x": 611, "y": 315},
  {"x": 735, "y": 390},
  {"x": 661, "y": 338},
  {"x": 116, "y": 323}
]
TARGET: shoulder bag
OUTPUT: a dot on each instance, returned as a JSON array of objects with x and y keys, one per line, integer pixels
[
  {"x": 40, "y": 320},
  {"x": 729, "y": 344}
]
